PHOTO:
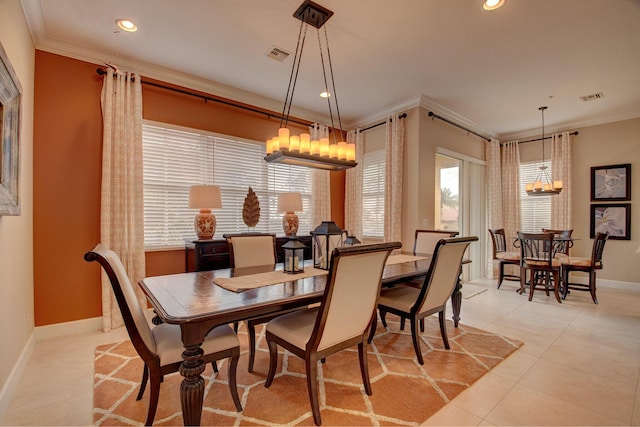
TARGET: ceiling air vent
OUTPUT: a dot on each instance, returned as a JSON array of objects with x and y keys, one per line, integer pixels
[
  {"x": 593, "y": 96},
  {"x": 278, "y": 54}
]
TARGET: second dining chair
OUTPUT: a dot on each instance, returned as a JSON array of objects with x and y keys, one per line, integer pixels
[
  {"x": 416, "y": 304},
  {"x": 585, "y": 265},
  {"x": 341, "y": 321},
  {"x": 504, "y": 256},
  {"x": 160, "y": 347},
  {"x": 537, "y": 256},
  {"x": 252, "y": 250}
]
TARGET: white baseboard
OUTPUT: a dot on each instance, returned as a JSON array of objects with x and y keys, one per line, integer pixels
[
  {"x": 68, "y": 328},
  {"x": 11, "y": 384},
  {"x": 606, "y": 283}
]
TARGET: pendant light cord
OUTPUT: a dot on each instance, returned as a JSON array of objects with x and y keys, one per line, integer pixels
[{"x": 295, "y": 68}]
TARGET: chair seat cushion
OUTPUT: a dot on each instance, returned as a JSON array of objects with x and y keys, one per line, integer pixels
[
  {"x": 295, "y": 328},
  {"x": 508, "y": 256},
  {"x": 399, "y": 298},
  {"x": 169, "y": 342},
  {"x": 542, "y": 263},
  {"x": 578, "y": 261}
]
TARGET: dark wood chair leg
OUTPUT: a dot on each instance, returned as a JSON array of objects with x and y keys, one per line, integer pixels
[
  {"x": 273, "y": 362},
  {"x": 592, "y": 286},
  {"x": 312, "y": 387},
  {"x": 500, "y": 273},
  {"x": 364, "y": 368},
  {"x": 422, "y": 325},
  {"x": 374, "y": 325},
  {"x": 556, "y": 286},
  {"x": 143, "y": 383},
  {"x": 233, "y": 383},
  {"x": 402, "y": 323},
  {"x": 251, "y": 329},
  {"x": 565, "y": 282},
  {"x": 214, "y": 365},
  {"x": 416, "y": 340},
  {"x": 383, "y": 317},
  {"x": 154, "y": 394},
  {"x": 443, "y": 329}
]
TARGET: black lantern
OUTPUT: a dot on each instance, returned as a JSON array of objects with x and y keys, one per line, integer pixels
[
  {"x": 351, "y": 241},
  {"x": 326, "y": 237},
  {"x": 293, "y": 255}
]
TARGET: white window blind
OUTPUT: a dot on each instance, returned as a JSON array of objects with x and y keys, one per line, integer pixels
[
  {"x": 373, "y": 194},
  {"x": 535, "y": 211},
  {"x": 175, "y": 159}
]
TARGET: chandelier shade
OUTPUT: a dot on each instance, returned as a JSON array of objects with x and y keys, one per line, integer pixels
[
  {"x": 543, "y": 185},
  {"x": 300, "y": 150}
]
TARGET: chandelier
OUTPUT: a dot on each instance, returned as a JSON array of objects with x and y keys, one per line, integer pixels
[
  {"x": 301, "y": 150},
  {"x": 543, "y": 185}
]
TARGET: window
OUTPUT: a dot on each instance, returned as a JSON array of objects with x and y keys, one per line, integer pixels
[
  {"x": 535, "y": 211},
  {"x": 176, "y": 158},
  {"x": 373, "y": 194},
  {"x": 447, "y": 206}
]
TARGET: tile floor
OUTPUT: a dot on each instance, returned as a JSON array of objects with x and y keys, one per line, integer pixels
[{"x": 580, "y": 365}]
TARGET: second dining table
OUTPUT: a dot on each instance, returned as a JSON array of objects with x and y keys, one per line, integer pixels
[{"x": 197, "y": 304}]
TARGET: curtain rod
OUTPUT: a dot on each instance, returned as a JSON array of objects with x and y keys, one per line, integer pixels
[
  {"x": 432, "y": 114},
  {"x": 401, "y": 116},
  {"x": 206, "y": 98},
  {"x": 546, "y": 137}
]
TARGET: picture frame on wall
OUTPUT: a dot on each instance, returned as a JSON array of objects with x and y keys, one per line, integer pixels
[
  {"x": 612, "y": 218},
  {"x": 611, "y": 183},
  {"x": 10, "y": 116}
]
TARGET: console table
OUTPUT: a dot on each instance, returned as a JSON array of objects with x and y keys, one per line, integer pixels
[{"x": 214, "y": 254}]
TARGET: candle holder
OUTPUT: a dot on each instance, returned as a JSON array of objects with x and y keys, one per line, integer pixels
[
  {"x": 326, "y": 237},
  {"x": 294, "y": 255}
]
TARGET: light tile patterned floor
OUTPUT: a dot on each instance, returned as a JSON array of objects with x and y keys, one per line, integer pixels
[{"x": 580, "y": 365}]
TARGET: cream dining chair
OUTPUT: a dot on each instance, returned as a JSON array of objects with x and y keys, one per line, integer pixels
[
  {"x": 417, "y": 303},
  {"x": 246, "y": 251},
  {"x": 160, "y": 347},
  {"x": 341, "y": 321}
]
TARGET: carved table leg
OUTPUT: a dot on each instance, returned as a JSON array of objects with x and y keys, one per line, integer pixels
[
  {"x": 456, "y": 301},
  {"x": 192, "y": 387}
]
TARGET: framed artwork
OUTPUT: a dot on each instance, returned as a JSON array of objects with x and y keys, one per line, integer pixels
[
  {"x": 611, "y": 183},
  {"x": 614, "y": 218},
  {"x": 10, "y": 107}
]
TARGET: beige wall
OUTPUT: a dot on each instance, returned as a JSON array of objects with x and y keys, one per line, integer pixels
[
  {"x": 16, "y": 235},
  {"x": 608, "y": 144}
]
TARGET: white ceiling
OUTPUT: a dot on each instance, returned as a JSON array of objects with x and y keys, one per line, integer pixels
[{"x": 490, "y": 71}]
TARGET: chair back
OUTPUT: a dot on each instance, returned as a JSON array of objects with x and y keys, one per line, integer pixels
[
  {"x": 499, "y": 240},
  {"x": 561, "y": 246},
  {"x": 425, "y": 240},
  {"x": 598, "y": 249},
  {"x": 133, "y": 315},
  {"x": 251, "y": 250},
  {"x": 536, "y": 249},
  {"x": 443, "y": 273},
  {"x": 351, "y": 294}
]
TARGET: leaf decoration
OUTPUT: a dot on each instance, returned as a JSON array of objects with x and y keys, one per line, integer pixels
[{"x": 251, "y": 209}]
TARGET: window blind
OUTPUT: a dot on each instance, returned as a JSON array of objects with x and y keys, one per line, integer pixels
[
  {"x": 373, "y": 194},
  {"x": 175, "y": 159},
  {"x": 535, "y": 211}
]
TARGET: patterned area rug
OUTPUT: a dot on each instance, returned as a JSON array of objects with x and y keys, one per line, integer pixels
[{"x": 393, "y": 368}]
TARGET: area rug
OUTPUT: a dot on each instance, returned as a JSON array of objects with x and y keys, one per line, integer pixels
[{"x": 404, "y": 392}]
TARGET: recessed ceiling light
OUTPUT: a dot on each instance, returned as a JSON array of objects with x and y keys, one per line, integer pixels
[
  {"x": 492, "y": 4},
  {"x": 126, "y": 25},
  {"x": 325, "y": 95}
]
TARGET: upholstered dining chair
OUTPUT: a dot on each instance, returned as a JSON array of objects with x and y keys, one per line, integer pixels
[
  {"x": 425, "y": 241},
  {"x": 160, "y": 347},
  {"x": 252, "y": 250},
  {"x": 340, "y": 321},
  {"x": 416, "y": 304},
  {"x": 503, "y": 255},
  {"x": 537, "y": 256},
  {"x": 587, "y": 265}
]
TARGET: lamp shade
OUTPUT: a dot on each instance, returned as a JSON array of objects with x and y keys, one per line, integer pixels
[
  {"x": 289, "y": 202},
  {"x": 204, "y": 197}
]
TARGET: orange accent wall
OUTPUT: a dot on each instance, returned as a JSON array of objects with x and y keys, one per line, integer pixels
[{"x": 67, "y": 165}]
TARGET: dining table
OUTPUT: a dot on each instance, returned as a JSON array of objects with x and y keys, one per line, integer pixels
[{"x": 200, "y": 301}]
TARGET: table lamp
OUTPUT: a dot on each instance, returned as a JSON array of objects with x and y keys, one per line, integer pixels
[
  {"x": 205, "y": 198},
  {"x": 289, "y": 203}
]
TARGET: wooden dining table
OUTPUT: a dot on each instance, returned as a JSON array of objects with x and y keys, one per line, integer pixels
[{"x": 197, "y": 304}]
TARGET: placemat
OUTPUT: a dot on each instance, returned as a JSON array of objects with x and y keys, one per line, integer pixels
[
  {"x": 399, "y": 259},
  {"x": 252, "y": 281}
]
